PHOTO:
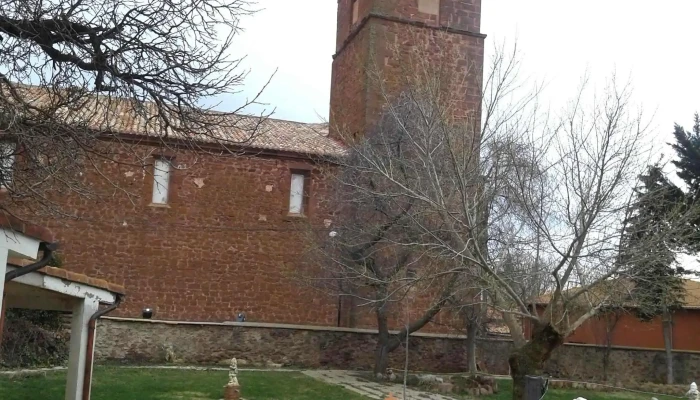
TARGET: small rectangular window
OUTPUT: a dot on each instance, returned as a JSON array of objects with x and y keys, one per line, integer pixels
[
  {"x": 161, "y": 181},
  {"x": 7, "y": 163},
  {"x": 355, "y": 11},
  {"x": 431, "y": 7},
  {"x": 296, "y": 194}
]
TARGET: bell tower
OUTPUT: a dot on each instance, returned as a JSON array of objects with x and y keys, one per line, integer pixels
[{"x": 374, "y": 38}]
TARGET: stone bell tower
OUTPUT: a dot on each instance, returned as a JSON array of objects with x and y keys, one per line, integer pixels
[
  {"x": 375, "y": 37},
  {"x": 379, "y": 41}
]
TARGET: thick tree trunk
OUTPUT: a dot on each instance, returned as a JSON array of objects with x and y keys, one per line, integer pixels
[
  {"x": 381, "y": 360},
  {"x": 529, "y": 359},
  {"x": 388, "y": 343},
  {"x": 472, "y": 329},
  {"x": 381, "y": 357},
  {"x": 385, "y": 345},
  {"x": 668, "y": 345}
]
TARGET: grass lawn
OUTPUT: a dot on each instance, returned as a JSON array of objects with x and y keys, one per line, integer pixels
[
  {"x": 505, "y": 387},
  {"x": 159, "y": 384}
]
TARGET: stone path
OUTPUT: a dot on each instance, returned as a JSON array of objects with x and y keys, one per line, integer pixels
[{"x": 373, "y": 390}]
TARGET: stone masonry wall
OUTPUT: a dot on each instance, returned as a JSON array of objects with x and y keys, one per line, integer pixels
[
  {"x": 394, "y": 39},
  {"x": 625, "y": 366},
  {"x": 312, "y": 347},
  {"x": 309, "y": 347},
  {"x": 223, "y": 244}
]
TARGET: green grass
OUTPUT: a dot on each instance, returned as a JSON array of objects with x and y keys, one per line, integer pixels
[
  {"x": 159, "y": 384},
  {"x": 505, "y": 387}
]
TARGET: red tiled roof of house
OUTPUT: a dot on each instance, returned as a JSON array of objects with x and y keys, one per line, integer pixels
[
  {"x": 120, "y": 115},
  {"x": 691, "y": 299}
]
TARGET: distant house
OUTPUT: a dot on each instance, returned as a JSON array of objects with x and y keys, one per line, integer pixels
[{"x": 624, "y": 329}]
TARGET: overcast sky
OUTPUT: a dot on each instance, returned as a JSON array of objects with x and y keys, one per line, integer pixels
[{"x": 655, "y": 43}]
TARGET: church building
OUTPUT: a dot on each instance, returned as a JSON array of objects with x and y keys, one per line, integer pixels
[{"x": 213, "y": 240}]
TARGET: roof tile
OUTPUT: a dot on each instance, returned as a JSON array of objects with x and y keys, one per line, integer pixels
[
  {"x": 84, "y": 279},
  {"x": 124, "y": 116}
]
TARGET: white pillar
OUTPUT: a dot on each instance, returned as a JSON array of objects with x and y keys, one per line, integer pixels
[
  {"x": 82, "y": 311},
  {"x": 3, "y": 269}
]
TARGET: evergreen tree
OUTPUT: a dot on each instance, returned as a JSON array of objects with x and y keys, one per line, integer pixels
[
  {"x": 687, "y": 148},
  {"x": 650, "y": 241},
  {"x": 664, "y": 210},
  {"x": 687, "y": 163}
]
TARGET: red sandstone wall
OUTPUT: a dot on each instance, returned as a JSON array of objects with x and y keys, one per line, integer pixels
[
  {"x": 456, "y": 59},
  {"x": 387, "y": 47},
  {"x": 461, "y": 14},
  {"x": 348, "y": 110},
  {"x": 215, "y": 250}
]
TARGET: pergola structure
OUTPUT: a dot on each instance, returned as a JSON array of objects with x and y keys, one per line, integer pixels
[{"x": 25, "y": 250}]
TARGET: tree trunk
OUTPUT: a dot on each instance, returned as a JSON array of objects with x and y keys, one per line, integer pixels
[
  {"x": 668, "y": 345},
  {"x": 385, "y": 345},
  {"x": 381, "y": 357},
  {"x": 388, "y": 343},
  {"x": 529, "y": 359},
  {"x": 472, "y": 329},
  {"x": 381, "y": 360},
  {"x": 610, "y": 325}
]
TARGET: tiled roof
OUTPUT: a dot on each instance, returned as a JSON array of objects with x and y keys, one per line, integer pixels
[
  {"x": 84, "y": 279},
  {"x": 123, "y": 116},
  {"x": 691, "y": 300},
  {"x": 70, "y": 276}
]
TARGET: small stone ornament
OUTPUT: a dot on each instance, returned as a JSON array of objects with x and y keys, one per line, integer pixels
[
  {"x": 233, "y": 373},
  {"x": 232, "y": 390},
  {"x": 693, "y": 393}
]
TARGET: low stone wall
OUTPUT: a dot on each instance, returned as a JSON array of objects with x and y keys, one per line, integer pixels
[
  {"x": 626, "y": 366},
  {"x": 260, "y": 344},
  {"x": 142, "y": 341}
]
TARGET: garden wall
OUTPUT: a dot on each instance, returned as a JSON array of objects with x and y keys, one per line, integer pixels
[
  {"x": 145, "y": 341},
  {"x": 139, "y": 341}
]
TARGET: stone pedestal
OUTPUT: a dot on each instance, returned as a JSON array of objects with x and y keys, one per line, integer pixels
[{"x": 232, "y": 392}]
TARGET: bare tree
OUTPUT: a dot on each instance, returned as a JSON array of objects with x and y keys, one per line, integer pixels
[
  {"x": 560, "y": 208},
  {"x": 547, "y": 194},
  {"x": 81, "y": 80},
  {"x": 369, "y": 255}
]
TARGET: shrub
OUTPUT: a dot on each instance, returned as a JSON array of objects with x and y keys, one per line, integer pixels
[{"x": 33, "y": 338}]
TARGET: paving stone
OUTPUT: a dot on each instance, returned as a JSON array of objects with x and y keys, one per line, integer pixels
[{"x": 373, "y": 390}]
